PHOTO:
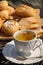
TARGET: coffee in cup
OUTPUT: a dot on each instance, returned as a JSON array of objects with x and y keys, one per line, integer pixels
[{"x": 25, "y": 36}]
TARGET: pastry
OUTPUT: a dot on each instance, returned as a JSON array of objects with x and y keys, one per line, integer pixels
[
  {"x": 1, "y": 22},
  {"x": 4, "y": 14},
  {"x": 29, "y": 23},
  {"x": 11, "y": 10},
  {"x": 30, "y": 19},
  {"x": 3, "y": 5},
  {"x": 35, "y": 26},
  {"x": 9, "y": 27},
  {"x": 23, "y": 24},
  {"x": 25, "y": 11}
]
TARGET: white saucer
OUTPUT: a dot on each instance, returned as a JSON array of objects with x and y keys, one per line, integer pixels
[{"x": 10, "y": 52}]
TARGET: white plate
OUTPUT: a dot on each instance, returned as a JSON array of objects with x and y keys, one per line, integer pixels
[{"x": 10, "y": 52}]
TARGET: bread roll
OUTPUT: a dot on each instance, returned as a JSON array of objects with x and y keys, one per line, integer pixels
[
  {"x": 38, "y": 24},
  {"x": 1, "y": 23},
  {"x": 39, "y": 20},
  {"x": 11, "y": 10},
  {"x": 23, "y": 24},
  {"x": 35, "y": 26},
  {"x": 25, "y": 11},
  {"x": 4, "y": 14},
  {"x": 29, "y": 23},
  {"x": 9, "y": 27},
  {"x": 30, "y": 19},
  {"x": 3, "y": 5}
]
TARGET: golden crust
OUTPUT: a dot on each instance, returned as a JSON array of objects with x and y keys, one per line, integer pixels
[
  {"x": 1, "y": 23},
  {"x": 31, "y": 19},
  {"x": 35, "y": 26},
  {"x": 29, "y": 23},
  {"x": 25, "y": 11},
  {"x": 4, "y": 14},
  {"x": 23, "y": 24},
  {"x": 9, "y": 27},
  {"x": 11, "y": 10},
  {"x": 3, "y": 5}
]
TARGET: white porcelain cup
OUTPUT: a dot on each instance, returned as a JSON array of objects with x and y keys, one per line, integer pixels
[{"x": 24, "y": 47}]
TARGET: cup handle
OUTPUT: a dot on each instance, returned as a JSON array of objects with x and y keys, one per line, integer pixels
[{"x": 38, "y": 43}]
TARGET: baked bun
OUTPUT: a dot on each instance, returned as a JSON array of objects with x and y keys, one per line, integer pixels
[
  {"x": 9, "y": 27},
  {"x": 35, "y": 26},
  {"x": 23, "y": 24},
  {"x": 3, "y": 5},
  {"x": 11, "y": 10},
  {"x": 29, "y": 23},
  {"x": 1, "y": 23},
  {"x": 4, "y": 14},
  {"x": 25, "y": 11},
  {"x": 31, "y": 19}
]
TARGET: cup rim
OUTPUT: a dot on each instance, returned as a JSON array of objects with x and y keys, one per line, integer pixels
[{"x": 24, "y": 31}]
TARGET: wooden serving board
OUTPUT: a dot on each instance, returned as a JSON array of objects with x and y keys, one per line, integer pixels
[{"x": 4, "y": 36}]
